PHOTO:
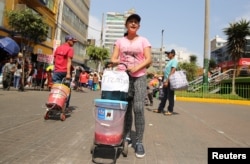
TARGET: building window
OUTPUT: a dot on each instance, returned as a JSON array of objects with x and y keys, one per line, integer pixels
[
  {"x": 2, "y": 4},
  {"x": 50, "y": 4},
  {"x": 71, "y": 18},
  {"x": 50, "y": 33}
]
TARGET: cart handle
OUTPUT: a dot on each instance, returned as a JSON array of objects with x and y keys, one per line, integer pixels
[
  {"x": 113, "y": 64},
  {"x": 66, "y": 81},
  {"x": 124, "y": 65}
]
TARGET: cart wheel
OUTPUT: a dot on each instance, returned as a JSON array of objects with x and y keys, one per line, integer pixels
[
  {"x": 125, "y": 149},
  {"x": 62, "y": 117},
  {"x": 92, "y": 150},
  {"x": 46, "y": 116}
]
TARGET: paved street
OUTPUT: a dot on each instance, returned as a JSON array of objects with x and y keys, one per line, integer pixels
[{"x": 183, "y": 138}]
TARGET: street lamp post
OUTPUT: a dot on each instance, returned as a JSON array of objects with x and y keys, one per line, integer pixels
[
  {"x": 162, "y": 31},
  {"x": 206, "y": 46}
]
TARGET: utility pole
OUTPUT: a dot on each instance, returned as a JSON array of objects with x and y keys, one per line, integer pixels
[
  {"x": 101, "y": 41},
  {"x": 162, "y": 31},
  {"x": 206, "y": 46}
]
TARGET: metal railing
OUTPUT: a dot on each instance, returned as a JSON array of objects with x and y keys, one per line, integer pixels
[
  {"x": 217, "y": 88},
  {"x": 213, "y": 81}
]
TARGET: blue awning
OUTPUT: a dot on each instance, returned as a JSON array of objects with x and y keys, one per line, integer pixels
[{"x": 44, "y": 2}]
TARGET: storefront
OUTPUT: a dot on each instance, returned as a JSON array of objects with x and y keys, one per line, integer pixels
[{"x": 243, "y": 64}]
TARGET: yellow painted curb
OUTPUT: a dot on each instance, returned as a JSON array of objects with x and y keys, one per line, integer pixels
[{"x": 221, "y": 101}]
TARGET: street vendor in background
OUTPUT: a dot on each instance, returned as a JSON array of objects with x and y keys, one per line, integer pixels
[
  {"x": 134, "y": 51},
  {"x": 63, "y": 61}
]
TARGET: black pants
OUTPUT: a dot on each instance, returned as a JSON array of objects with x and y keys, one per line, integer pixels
[
  {"x": 168, "y": 95},
  {"x": 7, "y": 79},
  {"x": 137, "y": 92}
]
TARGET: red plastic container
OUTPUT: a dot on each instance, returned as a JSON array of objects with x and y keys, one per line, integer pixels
[
  {"x": 58, "y": 96},
  {"x": 109, "y": 121}
]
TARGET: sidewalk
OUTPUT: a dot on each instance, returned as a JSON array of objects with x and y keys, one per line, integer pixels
[
  {"x": 183, "y": 138},
  {"x": 217, "y": 101}
]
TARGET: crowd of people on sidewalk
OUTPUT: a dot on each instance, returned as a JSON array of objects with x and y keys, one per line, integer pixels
[
  {"x": 82, "y": 79},
  {"x": 14, "y": 70},
  {"x": 41, "y": 78},
  {"x": 19, "y": 76}
]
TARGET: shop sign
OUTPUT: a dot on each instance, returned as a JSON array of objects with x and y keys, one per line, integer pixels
[
  {"x": 244, "y": 61},
  {"x": 45, "y": 58}
]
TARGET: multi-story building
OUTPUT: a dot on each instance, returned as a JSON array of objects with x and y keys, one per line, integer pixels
[
  {"x": 47, "y": 9},
  {"x": 217, "y": 42},
  {"x": 159, "y": 60},
  {"x": 182, "y": 56},
  {"x": 220, "y": 55},
  {"x": 63, "y": 17},
  {"x": 114, "y": 27},
  {"x": 73, "y": 18}
]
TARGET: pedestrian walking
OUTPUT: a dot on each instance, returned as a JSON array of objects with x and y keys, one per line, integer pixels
[
  {"x": 90, "y": 81},
  {"x": 41, "y": 77},
  {"x": 168, "y": 94},
  {"x": 95, "y": 82},
  {"x": 134, "y": 51},
  {"x": 63, "y": 62},
  {"x": 76, "y": 79},
  {"x": 83, "y": 80},
  {"x": 8, "y": 71},
  {"x": 17, "y": 76},
  {"x": 49, "y": 79}
]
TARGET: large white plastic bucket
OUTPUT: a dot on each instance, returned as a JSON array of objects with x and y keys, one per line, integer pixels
[{"x": 109, "y": 121}]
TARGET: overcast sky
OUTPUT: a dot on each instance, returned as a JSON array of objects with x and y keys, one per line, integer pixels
[{"x": 182, "y": 20}]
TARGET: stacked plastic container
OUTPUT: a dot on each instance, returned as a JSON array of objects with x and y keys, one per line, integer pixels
[{"x": 109, "y": 121}]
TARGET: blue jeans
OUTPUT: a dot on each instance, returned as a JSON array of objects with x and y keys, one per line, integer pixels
[
  {"x": 58, "y": 78},
  {"x": 16, "y": 81},
  {"x": 168, "y": 95}
]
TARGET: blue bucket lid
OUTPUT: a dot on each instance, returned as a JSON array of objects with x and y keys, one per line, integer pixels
[{"x": 110, "y": 101}]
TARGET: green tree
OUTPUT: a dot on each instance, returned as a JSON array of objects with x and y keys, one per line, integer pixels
[
  {"x": 190, "y": 67},
  {"x": 98, "y": 55},
  {"x": 212, "y": 64},
  {"x": 193, "y": 59},
  {"x": 29, "y": 26},
  {"x": 236, "y": 43}
]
